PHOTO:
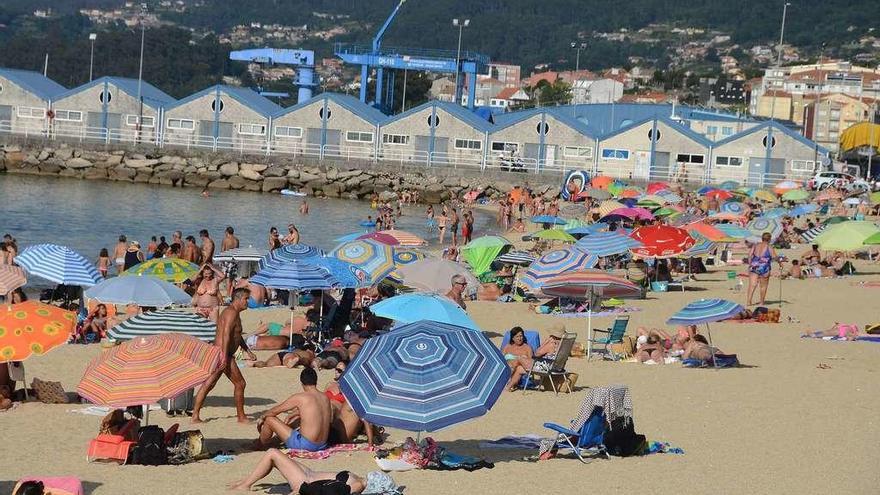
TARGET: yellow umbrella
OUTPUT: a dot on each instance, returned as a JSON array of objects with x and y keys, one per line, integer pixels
[
  {"x": 765, "y": 196},
  {"x": 607, "y": 206}
]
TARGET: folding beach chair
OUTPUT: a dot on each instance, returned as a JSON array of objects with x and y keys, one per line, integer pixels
[
  {"x": 613, "y": 335},
  {"x": 113, "y": 447},
  {"x": 551, "y": 369},
  {"x": 588, "y": 440}
]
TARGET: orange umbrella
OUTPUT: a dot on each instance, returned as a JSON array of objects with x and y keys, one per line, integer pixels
[
  {"x": 708, "y": 231},
  {"x": 601, "y": 182},
  {"x": 786, "y": 185},
  {"x": 828, "y": 194},
  {"x": 630, "y": 193},
  {"x": 32, "y": 328}
]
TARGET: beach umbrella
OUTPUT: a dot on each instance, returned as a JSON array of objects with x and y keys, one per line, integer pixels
[
  {"x": 347, "y": 274},
  {"x": 655, "y": 199},
  {"x": 835, "y": 220},
  {"x": 606, "y": 207},
  {"x": 702, "y": 247},
  {"x": 295, "y": 275},
  {"x": 590, "y": 285},
  {"x": 680, "y": 219},
  {"x": 633, "y": 213},
  {"x": 556, "y": 262},
  {"x": 425, "y": 376},
  {"x": 735, "y": 207},
  {"x": 601, "y": 182},
  {"x": 661, "y": 241},
  {"x": 786, "y": 185},
  {"x": 719, "y": 194},
  {"x": 349, "y": 237},
  {"x": 573, "y": 223},
  {"x": 765, "y": 196},
  {"x": 628, "y": 193},
  {"x": 32, "y": 328},
  {"x": 435, "y": 275},
  {"x": 706, "y": 231},
  {"x": 745, "y": 191},
  {"x": 795, "y": 195},
  {"x": 761, "y": 225},
  {"x": 846, "y": 236},
  {"x": 705, "y": 189},
  {"x": 874, "y": 197},
  {"x": 726, "y": 216},
  {"x": 380, "y": 237},
  {"x": 733, "y": 231},
  {"x": 553, "y": 235},
  {"x": 373, "y": 257},
  {"x": 165, "y": 321},
  {"x": 776, "y": 213},
  {"x": 11, "y": 277},
  {"x": 665, "y": 211},
  {"x": 588, "y": 229},
  {"x": 58, "y": 264},
  {"x": 597, "y": 194},
  {"x": 705, "y": 311},
  {"x": 521, "y": 258},
  {"x": 174, "y": 270},
  {"x": 480, "y": 252},
  {"x": 408, "y": 308},
  {"x": 729, "y": 185},
  {"x": 654, "y": 187},
  {"x": 810, "y": 235},
  {"x": 403, "y": 238},
  {"x": 607, "y": 243},
  {"x": 550, "y": 219},
  {"x": 291, "y": 252},
  {"x": 803, "y": 209},
  {"x": 249, "y": 253},
  {"x": 670, "y": 197},
  {"x": 873, "y": 240},
  {"x": 148, "y": 369},
  {"x": 144, "y": 290}
]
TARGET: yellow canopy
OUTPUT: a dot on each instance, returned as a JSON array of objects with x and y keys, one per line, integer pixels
[{"x": 858, "y": 135}]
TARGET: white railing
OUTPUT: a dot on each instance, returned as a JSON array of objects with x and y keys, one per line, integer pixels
[{"x": 256, "y": 145}]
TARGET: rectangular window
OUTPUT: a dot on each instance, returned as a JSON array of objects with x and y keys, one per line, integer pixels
[
  {"x": 584, "y": 152},
  {"x": 31, "y": 112},
  {"x": 68, "y": 115},
  {"x": 252, "y": 129},
  {"x": 803, "y": 165},
  {"x": 727, "y": 131},
  {"x": 690, "y": 159},
  {"x": 359, "y": 137},
  {"x": 132, "y": 120},
  {"x": 468, "y": 144},
  {"x": 182, "y": 124},
  {"x": 728, "y": 161},
  {"x": 288, "y": 132},
  {"x": 395, "y": 139},
  {"x": 712, "y": 129},
  {"x": 612, "y": 154},
  {"x": 502, "y": 147}
]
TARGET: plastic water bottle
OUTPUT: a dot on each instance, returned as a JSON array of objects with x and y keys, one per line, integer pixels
[{"x": 739, "y": 285}]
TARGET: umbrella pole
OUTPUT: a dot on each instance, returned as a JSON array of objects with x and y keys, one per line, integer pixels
[
  {"x": 146, "y": 409},
  {"x": 711, "y": 346},
  {"x": 590, "y": 326}
]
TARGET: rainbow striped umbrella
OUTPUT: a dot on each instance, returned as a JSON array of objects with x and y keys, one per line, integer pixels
[
  {"x": 403, "y": 238},
  {"x": 556, "y": 262},
  {"x": 607, "y": 243},
  {"x": 11, "y": 278},
  {"x": 375, "y": 258},
  {"x": 173, "y": 270},
  {"x": 607, "y": 206},
  {"x": 147, "y": 369}
]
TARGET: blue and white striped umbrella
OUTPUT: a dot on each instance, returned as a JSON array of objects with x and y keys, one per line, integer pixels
[
  {"x": 670, "y": 197},
  {"x": 291, "y": 252},
  {"x": 778, "y": 212},
  {"x": 701, "y": 248},
  {"x": 607, "y": 243},
  {"x": 516, "y": 258},
  {"x": 732, "y": 230},
  {"x": 296, "y": 275},
  {"x": 425, "y": 376},
  {"x": 735, "y": 207},
  {"x": 164, "y": 321},
  {"x": 249, "y": 253},
  {"x": 705, "y": 311},
  {"x": 143, "y": 290},
  {"x": 588, "y": 229},
  {"x": 556, "y": 262},
  {"x": 58, "y": 264}
]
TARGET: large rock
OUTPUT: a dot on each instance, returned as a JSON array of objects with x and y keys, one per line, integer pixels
[
  {"x": 71, "y": 172},
  {"x": 306, "y": 177},
  {"x": 145, "y": 177},
  {"x": 63, "y": 153},
  {"x": 273, "y": 184},
  {"x": 77, "y": 163},
  {"x": 196, "y": 180},
  {"x": 95, "y": 173},
  {"x": 173, "y": 159},
  {"x": 219, "y": 184},
  {"x": 348, "y": 173},
  {"x": 332, "y": 190},
  {"x": 121, "y": 173},
  {"x": 256, "y": 167},
  {"x": 50, "y": 168},
  {"x": 229, "y": 169},
  {"x": 250, "y": 174},
  {"x": 113, "y": 160},
  {"x": 274, "y": 171},
  {"x": 237, "y": 182},
  {"x": 140, "y": 163},
  {"x": 44, "y": 155}
]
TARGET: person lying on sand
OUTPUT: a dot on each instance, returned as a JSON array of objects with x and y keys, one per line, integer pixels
[
  {"x": 312, "y": 409},
  {"x": 301, "y": 479},
  {"x": 331, "y": 356},
  {"x": 843, "y": 331},
  {"x": 699, "y": 348},
  {"x": 287, "y": 358}
]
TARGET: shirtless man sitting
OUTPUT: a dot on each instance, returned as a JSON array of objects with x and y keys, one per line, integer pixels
[{"x": 311, "y": 408}]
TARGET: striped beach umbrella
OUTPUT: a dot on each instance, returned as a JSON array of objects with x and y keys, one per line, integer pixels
[
  {"x": 735, "y": 207},
  {"x": 295, "y": 275},
  {"x": 733, "y": 231},
  {"x": 58, "y": 264},
  {"x": 425, "y": 376},
  {"x": 520, "y": 258},
  {"x": 702, "y": 247},
  {"x": 373, "y": 257},
  {"x": 409, "y": 308},
  {"x": 402, "y": 238},
  {"x": 291, "y": 252},
  {"x": 11, "y": 278},
  {"x": 727, "y": 216},
  {"x": 709, "y": 232},
  {"x": 683, "y": 219},
  {"x": 705, "y": 311},
  {"x": 809, "y": 237},
  {"x": 142, "y": 290},
  {"x": 607, "y": 243},
  {"x": 555, "y": 263},
  {"x": 249, "y": 253},
  {"x": 32, "y": 328},
  {"x": 607, "y": 206},
  {"x": 761, "y": 225},
  {"x": 174, "y": 270},
  {"x": 670, "y": 197},
  {"x": 661, "y": 241},
  {"x": 148, "y": 369},
  {"x": 776, "y": 213},
  {"x": 588, "y": 229},
  {"x": 578, "y": 284},
  {"x": 162, "y": 322}
]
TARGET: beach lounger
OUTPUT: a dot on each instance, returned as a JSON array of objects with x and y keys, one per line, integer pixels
[
  {"x": 613, "y": 335},
  {"x": 543, "y": 368},
  {"x": 588, "y": 440}
]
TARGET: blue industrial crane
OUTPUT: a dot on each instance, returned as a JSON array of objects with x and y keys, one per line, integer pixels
[
  {"x": 447, "y": 61},
  {"x": 303, "y": 60}
]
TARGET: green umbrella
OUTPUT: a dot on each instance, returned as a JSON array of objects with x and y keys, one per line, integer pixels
[
  {"x": 795, "y": 195},
  {"x": 875, "y": 197},
  {"x": 662, "y": 212},
  {"x": 834, "y": 220},
  {"x": 573, "y": 224},
  {"x": 482, "y": 251},
  {"x": 846, "y": 236},
  {"x": 554, "y": 235},
  {"x": 874, "y": 239}
]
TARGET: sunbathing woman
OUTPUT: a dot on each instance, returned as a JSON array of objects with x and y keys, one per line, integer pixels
[
  {"x": 838, "y": 330},
  {"x": 289, "y": 359},
  {"x": 518, "y": 354},
  {"x": 346, "y": 426},
  {"x": 699, "y": 348},
  {"x": 301, "y": 479},
  {"x": 650, "y": 348}
]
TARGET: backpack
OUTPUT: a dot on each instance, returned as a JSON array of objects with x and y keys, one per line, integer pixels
[
  {"x": 150, "y": 447},
  {"x": 621, "y": 439},
  {"x": 187, "y": 446}
]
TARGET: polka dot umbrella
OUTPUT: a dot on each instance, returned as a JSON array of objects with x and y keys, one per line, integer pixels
[{"x": 32, "y": 328}]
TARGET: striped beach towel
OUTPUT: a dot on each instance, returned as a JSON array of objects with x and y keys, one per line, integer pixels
[{"x": 329, "y": 451}]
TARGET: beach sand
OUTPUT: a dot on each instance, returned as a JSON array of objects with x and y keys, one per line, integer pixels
[{"x": 776, "y": 425}]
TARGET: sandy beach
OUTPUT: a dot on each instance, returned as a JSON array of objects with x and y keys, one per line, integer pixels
[{"x": 778, "y": 424}]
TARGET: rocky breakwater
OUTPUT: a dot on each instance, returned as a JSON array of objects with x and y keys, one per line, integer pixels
[{"x": 273, "y": 175}]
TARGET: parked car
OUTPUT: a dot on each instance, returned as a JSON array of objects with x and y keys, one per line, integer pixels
[{"x": 824, "y": 180}]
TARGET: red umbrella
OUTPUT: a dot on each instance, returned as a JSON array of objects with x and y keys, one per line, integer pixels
[
  {"x": 661, "y": 241},
  {"x": 635, "y": 213},
  {"x": 719, "y": 194},
  {"x": 654, "y": 187},
  {"x": 382, "y": 237}
]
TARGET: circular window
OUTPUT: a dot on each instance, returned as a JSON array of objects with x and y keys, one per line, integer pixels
[
  {"x": 772, "y": 141},
  {"x": 433, "y": 120},
  {"x": 105, "y": 96},
  {"x": 321, "y": 113},
  {"x": 214, "y": 105},
  {"x": 652, "y": 136},
  {"x": 542, "y": 128}
]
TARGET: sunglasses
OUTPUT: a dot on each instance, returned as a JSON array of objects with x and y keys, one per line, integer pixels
[{"x": 339, "y": 370}]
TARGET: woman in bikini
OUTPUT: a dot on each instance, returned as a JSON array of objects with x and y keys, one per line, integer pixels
[
  {"x": 518, "y": 354},
  {"x": 301, "y": 479},
  {"x": 345, "y": 426},
  {"x": 96, "y": 323},
  {"x": 207, "y": 297},
  {"x": 760, "y": 258}
]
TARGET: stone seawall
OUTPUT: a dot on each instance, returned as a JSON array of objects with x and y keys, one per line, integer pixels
[{"x": 346, "y": 179}]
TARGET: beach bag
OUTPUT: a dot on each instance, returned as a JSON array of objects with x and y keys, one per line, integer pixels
[
  {"x": 49, "y": 392},
  {"x": 187, "y": 446},
  {"x": 325, "y": 487},
  {"x": 873, "y": 329},
  {"x": 621, "y": 439},
  {"x": 150, "y": 448}
]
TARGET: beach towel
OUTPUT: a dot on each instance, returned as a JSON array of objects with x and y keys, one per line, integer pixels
[
  {"x": 329, "y": 451},
  {"x": 864, "y": 338},
  {"x": 599, "y": 314},
  {"x": 662, "y": 448},
  {"x": 526, "y": 442}
]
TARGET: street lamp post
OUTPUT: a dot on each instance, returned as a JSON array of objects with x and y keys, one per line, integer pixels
[
  {"x": 773, "y": 99},
  {"x": 92, "y": 38},
  {"x": 460, "y": 25},
  {"x": 140, "y": 95},
  {"x": 577, "y": 68}
]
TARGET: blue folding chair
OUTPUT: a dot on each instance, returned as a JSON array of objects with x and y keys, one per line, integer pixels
[
  {"x": 588, "y": 440},
  {"x": 533, "y": 338},
  {"x": 613, "y": 335}
]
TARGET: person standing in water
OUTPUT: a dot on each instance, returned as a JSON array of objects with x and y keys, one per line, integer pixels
[{"x": 304, "y": 208}]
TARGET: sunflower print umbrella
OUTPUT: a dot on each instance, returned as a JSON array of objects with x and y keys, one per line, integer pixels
[{"x": 32, "y": 328}]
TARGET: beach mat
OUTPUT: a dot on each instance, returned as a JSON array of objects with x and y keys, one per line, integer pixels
[{"x": 324, "y": 454}]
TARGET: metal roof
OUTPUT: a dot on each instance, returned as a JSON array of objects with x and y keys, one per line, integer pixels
[
  {"x": 559, "y": 113},
  {"x": 350, "y": 103},
  {"x": 152, "y": 95},
  {"x": 34, "y": 82},
  {"x": 245, "y": 96},
  {"x": 776, "y": 127},
  {"x": 461, "y": 113}
]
